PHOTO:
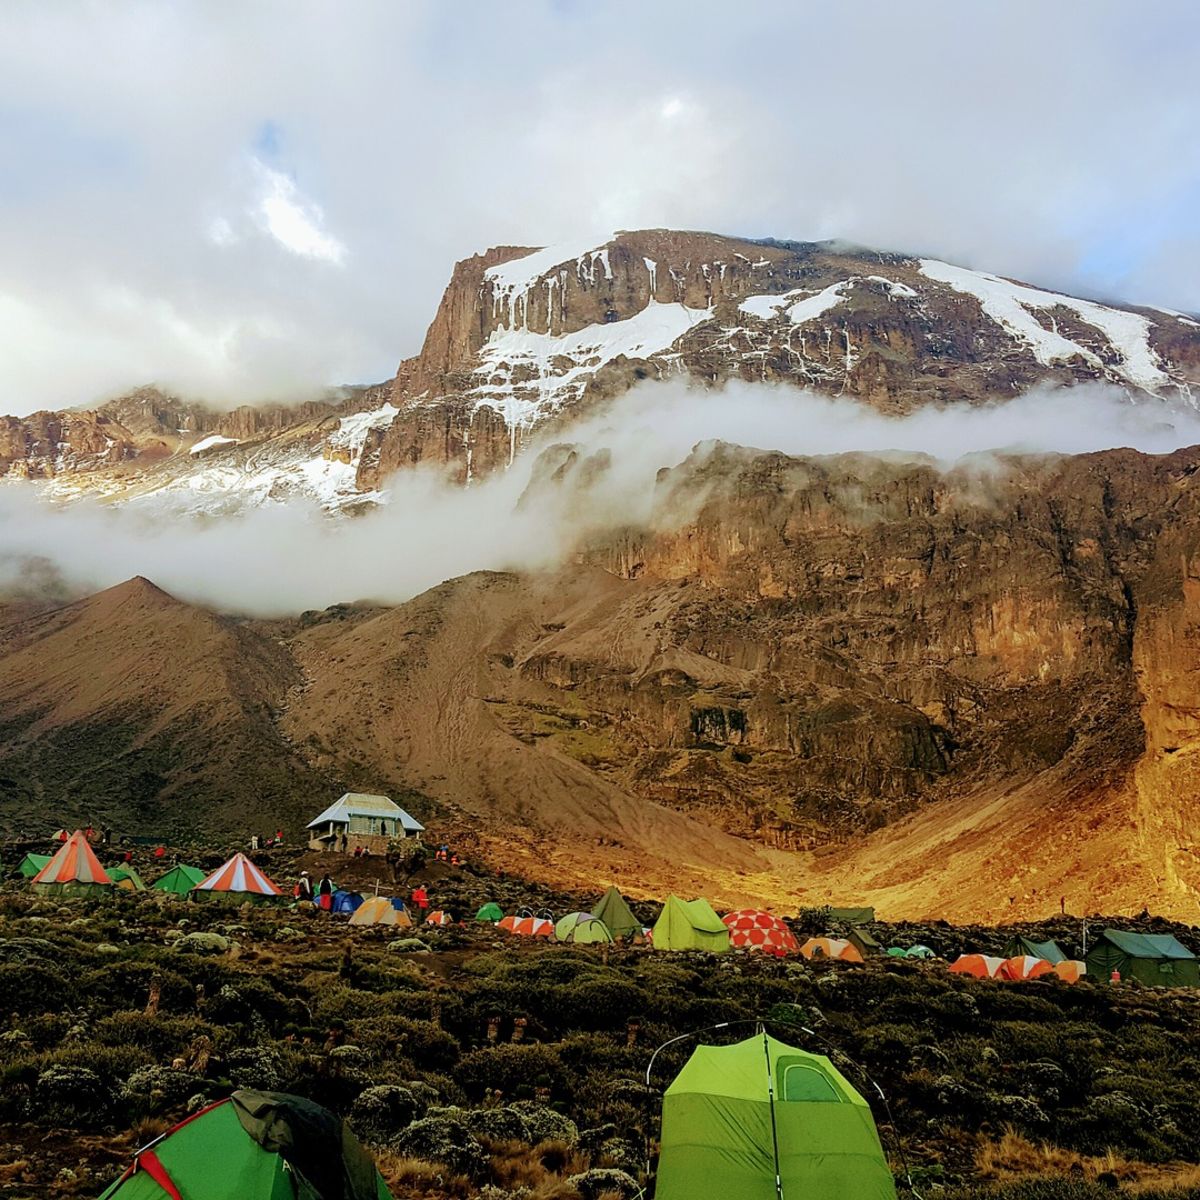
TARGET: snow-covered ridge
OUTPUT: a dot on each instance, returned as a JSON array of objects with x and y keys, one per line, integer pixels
[
  {"x": 1012, "y": 305},
  {"x": 799, "y": 306},
  {"x": 512, "y": 281},
  {"x": 211, "y": 442},
  {"x": 526, "y": 375}
]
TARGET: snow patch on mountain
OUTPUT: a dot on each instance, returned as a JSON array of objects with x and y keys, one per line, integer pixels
[
  {"x": 527, "y": 375},
  {"x": 1012, "y": 306},
  {"x": 512, "y": 281},
  {"x": 211, "y": 442}
]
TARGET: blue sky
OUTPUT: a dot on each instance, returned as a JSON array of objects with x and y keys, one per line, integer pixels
[{"x": 248, "y": 201}]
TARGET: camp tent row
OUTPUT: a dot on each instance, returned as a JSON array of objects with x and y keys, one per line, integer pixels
[{"x": 75, "y": 870}]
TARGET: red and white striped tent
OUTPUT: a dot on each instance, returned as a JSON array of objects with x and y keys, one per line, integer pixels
[
  {"x": 74, "y": 865},
  {"x": 437, "y": 917},
  {"x": 238, "y": 877},
  {"x": 751, "y": 929}
]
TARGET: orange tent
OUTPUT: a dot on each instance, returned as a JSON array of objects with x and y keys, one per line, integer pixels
[
  {"x": 528, "y": 926},
  {"x": 1025, "y": 966},
  {"x": 239, "y": 877},
  {"x": 754, "y": 930},
  {"x": 73, "y": 866},
  {"x": 982, "y": 966},
  {"x": 437, "y": 917},
  {"x": 1070, "y": 970},
  {"x": 831, "y": 948}
]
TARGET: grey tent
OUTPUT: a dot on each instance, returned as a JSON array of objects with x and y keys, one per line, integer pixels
[
  {"x": 1152, "y": 958},
  {"x": 1019, "y": 946}
]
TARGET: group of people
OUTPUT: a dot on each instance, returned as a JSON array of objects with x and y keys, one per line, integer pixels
[
  {"x": 444, "y": 854},
  {"x": 322, "y": 893},
  {"x": 260, "y": 841}
]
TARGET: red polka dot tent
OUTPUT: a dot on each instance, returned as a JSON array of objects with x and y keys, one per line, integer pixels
[{"x": 751, "y": 929}]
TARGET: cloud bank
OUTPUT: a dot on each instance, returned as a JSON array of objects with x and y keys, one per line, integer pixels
[
  {"x": 248, "y": 202},
  {"x": 283, "y": 559}
]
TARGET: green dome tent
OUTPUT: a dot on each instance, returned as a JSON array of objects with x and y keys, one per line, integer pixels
[
  {"x": 1021, "y": 945},
  {"x": 582, "y": 929},
  {"x": 255, "y": 1146},
  {"x": 32, "y": 863},
  {"x": 612, "y": 909},
  {"x": 179, "y": 880},
  {"x": 127, "y": 878},
  {"x": 760, "y": 1120},
  {"x": 491, "y": 911},
  {"x": 689, "y": 925}
]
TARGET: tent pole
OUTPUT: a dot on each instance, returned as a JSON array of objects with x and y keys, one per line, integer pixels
[{"x": 771, "y": 1099}]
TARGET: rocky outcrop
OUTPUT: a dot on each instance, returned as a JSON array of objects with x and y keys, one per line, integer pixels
[{"x": 524, "y": 339}]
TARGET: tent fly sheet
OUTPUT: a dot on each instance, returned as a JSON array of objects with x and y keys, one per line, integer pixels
[{"x": 760, "y": 1119}]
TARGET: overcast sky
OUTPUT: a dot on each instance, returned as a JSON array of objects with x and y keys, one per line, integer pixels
[{"x": 250, "y": 199}]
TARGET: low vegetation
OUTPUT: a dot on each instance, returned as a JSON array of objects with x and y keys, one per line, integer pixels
[{"x": 479, "y": 1065}]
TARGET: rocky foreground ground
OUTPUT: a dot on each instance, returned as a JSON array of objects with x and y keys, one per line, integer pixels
[{"x": 475, "y": 1064}]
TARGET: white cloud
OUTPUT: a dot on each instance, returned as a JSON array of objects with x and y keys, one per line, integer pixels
[
  {"x": 402, "y": 138},
  {"x": 286, "y": 558},
  {"x": 294, "y": 222}
]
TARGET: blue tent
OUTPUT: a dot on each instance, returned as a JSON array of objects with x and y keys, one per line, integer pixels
[
  {"x": 398, "y": 904},
  {"x": 345, "y": 902}
]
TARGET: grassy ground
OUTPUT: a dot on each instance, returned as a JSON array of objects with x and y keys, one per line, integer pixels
[{"x": 475, "y": 1064}]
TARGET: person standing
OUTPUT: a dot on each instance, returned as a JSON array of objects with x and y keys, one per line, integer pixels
[
  {"x": 325, "y": 891},
  {"x": 304, "y": 888}
]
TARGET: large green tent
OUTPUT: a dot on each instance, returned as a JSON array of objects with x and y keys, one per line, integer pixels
[
  {"x": 491, "y": 911},
  {"x": 255, "y": 1146},
  {"x": 689, "y": 925},
  {"x": 1153, "y": 958},
  {"x": 760, "y": 1119},
  {"x": 612, "y": 909},
  {"x": 32, "y": 863},
  {"x": 1019, "y": 945},
  {"x": 179, "y": 880}
]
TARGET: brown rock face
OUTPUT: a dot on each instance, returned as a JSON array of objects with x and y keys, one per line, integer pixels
[{"x": 869, "y": 325}]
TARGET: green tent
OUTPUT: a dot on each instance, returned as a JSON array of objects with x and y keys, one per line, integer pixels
[
  {"x": 852, "y": 916},
  {"x": 1020, "y": 945},
  {"x": 179, "y": 880},
  {"x": 918, "y": 951},
  {"x": 612, "y": 909},
  {"x": 32, "y": 863},
  {"x": 739, "y": 1118},
  {"x": 582, "y": 929},
  {"x": 491, "y": 911},
  {"x": 897, "y": 952},
  {"x": 1153, "y": 958},
  {"x": 127, "y": 878},
  {"x": 863, "y": 942},
  {"x": 689, "y": 925},
  {"x": 255, "y": 1146}
]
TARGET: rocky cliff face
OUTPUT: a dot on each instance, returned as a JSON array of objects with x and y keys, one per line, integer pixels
[{"x": 524, "y": 339}]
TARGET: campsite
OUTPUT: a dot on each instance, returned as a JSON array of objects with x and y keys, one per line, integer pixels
[{"x": 553, "y": 1046}]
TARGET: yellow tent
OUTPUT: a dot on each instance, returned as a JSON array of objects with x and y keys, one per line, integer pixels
[{"x": 378, "y": 910}]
